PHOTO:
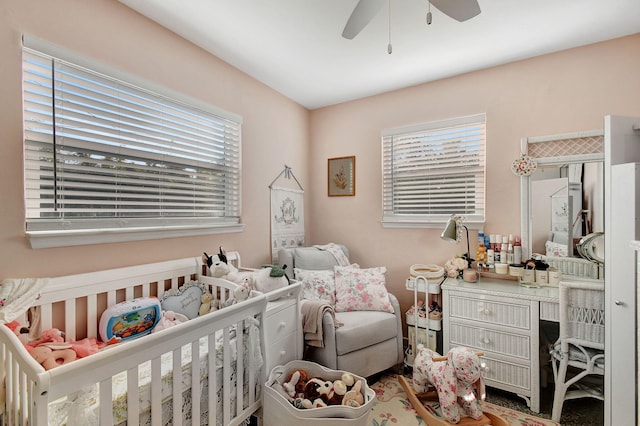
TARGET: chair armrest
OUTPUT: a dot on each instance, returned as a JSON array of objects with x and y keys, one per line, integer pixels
[{"x": 398, "y": 313}]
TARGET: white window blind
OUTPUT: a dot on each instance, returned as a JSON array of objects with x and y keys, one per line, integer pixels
[
  {"x": 434, "y": 170},
  {"x": 100, "y": 153}
]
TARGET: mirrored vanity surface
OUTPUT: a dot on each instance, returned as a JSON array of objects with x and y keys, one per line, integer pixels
[{"x": 562, "y": 202}]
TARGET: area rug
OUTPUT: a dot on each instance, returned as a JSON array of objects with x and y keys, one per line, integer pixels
[{"x": 393, "y": 408}]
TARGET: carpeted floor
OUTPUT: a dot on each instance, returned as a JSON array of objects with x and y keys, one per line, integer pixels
[
  {"x": 576, "y": 412},
  {"x": 392, "y": 407}
]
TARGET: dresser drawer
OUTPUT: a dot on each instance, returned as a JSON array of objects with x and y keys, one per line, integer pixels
[
  {"x": 492, "y": 310},
  {"x": 281, "y": 323},
  {"x": 506, "y": 375},
  {"x": 516, "y": 345},
  {"x": 281, "y": 351}
]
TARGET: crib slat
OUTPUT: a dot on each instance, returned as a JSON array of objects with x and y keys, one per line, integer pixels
[
  {"x": 226, "y": 378},
  {"x": 9, "y": 386},
  {"x": 106, "y": 414},
  {"x": 111, "y": 298},
  {"x": 252, "y": 366},
  {"x": 240, "y": 367},
  {"x": 46, "y": 318},
  {"x": 156, "y": 397},
  {"x": 133, "y": 397},
  {"x": 213, "y": 379},
  {"x": 129, "y": 293},
  {"x": 195, "y": 382},
  {"x": 92, "y": 314},
  {"x": 177, "y": 386},
  {"x": 24, "y": 395},
  {"x": 70, "y": 320}
]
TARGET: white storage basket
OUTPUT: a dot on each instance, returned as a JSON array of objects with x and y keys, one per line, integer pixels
[{"x": 278, "y": 411}]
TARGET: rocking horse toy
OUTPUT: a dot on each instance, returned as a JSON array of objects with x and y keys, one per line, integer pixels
[{"x": 456, "y": 381}]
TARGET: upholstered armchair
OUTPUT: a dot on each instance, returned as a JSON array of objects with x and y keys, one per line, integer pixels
[{"x": 366, "y": 342}]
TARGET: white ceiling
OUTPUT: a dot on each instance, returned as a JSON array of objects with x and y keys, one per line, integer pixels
[{"x": 296, "y": 47}]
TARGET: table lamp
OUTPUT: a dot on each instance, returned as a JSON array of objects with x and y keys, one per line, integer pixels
[{"x": 451, "y": 233}]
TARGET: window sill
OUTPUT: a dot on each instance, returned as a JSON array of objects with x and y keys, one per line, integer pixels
[
  {"x": 426, "y": 223},
  {"x": 49, "y": 239}
]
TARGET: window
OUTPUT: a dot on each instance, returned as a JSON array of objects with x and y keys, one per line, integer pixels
[
  {"x": 433, "y": 170},
  {"x": 104, "y": 156}
]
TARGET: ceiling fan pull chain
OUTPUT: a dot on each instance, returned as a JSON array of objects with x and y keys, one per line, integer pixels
[
  {"x": 389, "y": 48},
  {"x": 429, "y": 16}
]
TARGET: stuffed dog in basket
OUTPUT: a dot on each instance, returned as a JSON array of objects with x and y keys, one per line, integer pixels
[{"x": 454, "y": 380}]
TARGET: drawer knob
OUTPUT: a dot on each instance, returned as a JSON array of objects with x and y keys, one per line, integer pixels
[
  {"x": 282, "y": 354},
  {"x": 485, "y": 340},
  {"x": 282, "y": 324}
]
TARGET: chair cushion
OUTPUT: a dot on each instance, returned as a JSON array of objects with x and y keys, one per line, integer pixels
[
  {"x": 364, "y": 328},
  {"x": 317, "y": 285},
  {"x": 361, "y": 289},
  {"x": 575, "y": 354}
]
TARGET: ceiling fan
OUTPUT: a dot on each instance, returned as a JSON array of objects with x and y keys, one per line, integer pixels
[{"x": 365, "y": 10}]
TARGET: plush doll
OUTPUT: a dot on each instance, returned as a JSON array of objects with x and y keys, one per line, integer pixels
[
  {"x": 50, "y": 358},
  {"x": 296, "y": 381},
  {"x": 51, "y": 335},
  {"x": 269, "y": 278},
  {"x": 454, "y": 380},
  {"x": 169, "y": 319},
  {"x": 209, "y": 303},
  {"x": 219, "y": 267},
  {"x": 240, "y": 293},
  {"x": 17, "y": 328},
  {"x": 318, "y": 391},
  {"x": 354, "y": 397}
]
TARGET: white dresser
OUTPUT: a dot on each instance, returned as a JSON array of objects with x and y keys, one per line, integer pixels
[
  {"x": 502, "y": 319},
  {"x": 283, "y": 327}
]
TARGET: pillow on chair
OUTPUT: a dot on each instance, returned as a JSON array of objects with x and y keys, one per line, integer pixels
[
  {"x": 361, "y": 289},
  {"x": 317, "y": 285}
]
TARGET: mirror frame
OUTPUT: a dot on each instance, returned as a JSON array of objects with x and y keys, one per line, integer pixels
[{"x": 552, "y": 150}]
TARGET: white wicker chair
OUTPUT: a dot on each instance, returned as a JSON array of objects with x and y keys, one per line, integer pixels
[{"x": 579, "y": 351}]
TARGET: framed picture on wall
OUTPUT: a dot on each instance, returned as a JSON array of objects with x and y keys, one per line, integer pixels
[{"x": 342, "y": 176}]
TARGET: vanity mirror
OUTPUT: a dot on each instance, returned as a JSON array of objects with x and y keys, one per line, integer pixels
[{"x": 562, "y": 201}]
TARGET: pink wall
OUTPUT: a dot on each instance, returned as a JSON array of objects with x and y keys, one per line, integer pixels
[
  {"x": 558, "y": 93},
  {"x": 275, "y": 129}
]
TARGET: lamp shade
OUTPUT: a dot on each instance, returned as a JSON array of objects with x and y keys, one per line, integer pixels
[{"x": 450, "y": 232}]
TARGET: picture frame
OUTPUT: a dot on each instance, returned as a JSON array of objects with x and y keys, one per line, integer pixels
[{"x": 341, "y": 173}]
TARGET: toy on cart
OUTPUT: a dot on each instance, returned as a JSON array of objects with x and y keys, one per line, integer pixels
[{"x": 456, "y": 381}]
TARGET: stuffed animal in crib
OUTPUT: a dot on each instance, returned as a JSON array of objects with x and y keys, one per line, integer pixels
[
  {"x": 209, "y": 303},
  {"x": 51, "y": 335},
  {"x": 169, "y": 319},
  {"x": 50, "y": 358},
  {"x": 240, "y": 293},
  {"x": 219, "y": 267},
  {"x": 454, "y": 379}
]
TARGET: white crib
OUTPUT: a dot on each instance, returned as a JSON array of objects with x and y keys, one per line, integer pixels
[{"x": 147, "y": 380}]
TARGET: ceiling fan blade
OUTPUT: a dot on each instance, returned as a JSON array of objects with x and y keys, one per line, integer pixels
[
  {"x": 460, "y": 10},
  {"x": 362, "y": 14}
]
